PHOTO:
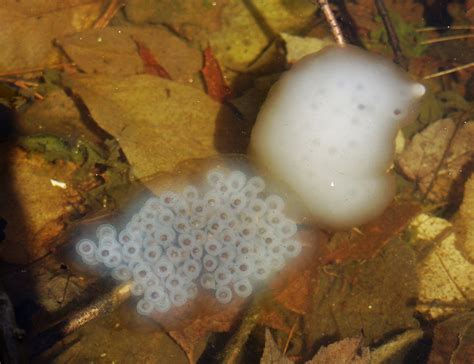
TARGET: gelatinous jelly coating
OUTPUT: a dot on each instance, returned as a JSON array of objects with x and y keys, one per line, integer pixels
[
  {"x": 224, "y": 237},
  {"x": 327, "y": 130}
]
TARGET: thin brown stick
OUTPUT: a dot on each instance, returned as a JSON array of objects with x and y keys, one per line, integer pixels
[
  {"x": 451, "y": 70},
  {"x": 108, "y": 14},
  {"x": 447, "y": 38},
  {"x": 24, "y": 85},
  {"x": 449, "y": 27},
  {"x": 32, "y": 70},
  {"x": 331, "y": 19},
  {"x": 393, "y": 40},
  {"x": 290, "y": 336}
]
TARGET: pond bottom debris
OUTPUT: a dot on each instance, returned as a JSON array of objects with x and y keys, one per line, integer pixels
[{"x": 226, "y": 237}]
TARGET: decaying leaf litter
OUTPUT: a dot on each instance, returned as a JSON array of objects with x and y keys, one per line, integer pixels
[{"x": 127, "y": 94}]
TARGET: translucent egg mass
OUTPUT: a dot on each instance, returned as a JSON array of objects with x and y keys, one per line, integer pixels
[{"x": 224, "y": 236}]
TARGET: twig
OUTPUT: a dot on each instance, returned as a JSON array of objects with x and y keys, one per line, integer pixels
[
  {"x": 459, "y": 124},
  {"x": 290, "y": 336},
  {"x": 331, "y": 19},
  {"x": 102, "y": 305},
  {"x": 32, "y": 70},
  {"x": 451, "y": 70},
  {"x": 392, "y": 35},
  {"x": 108, "y": 14},
  {"x": 236, "y": 343},
  {"x": 449, "y": 27},
  {"x": 25, "y": 85},
  {"x": 447, "y": 38}
]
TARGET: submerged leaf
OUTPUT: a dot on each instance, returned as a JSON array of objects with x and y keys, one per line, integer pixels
[
  {"x": 271, "y": 353},
  {"x": 113, "y": 51},
  {"x": 346, "y": 351},
  {"x": 32, "y": 225},
  {"x": 439, "y": 158},
  {"x": 298, "y": 47},
  {"x": 159, "y": 123},
  {"x": 373, "y": 236},
  {"x": 445, "y": 276},
  {"x": 464, "y": 225},
  {"x": 454, "y": 341},
  {"x": 150, "y": 64},
  {"x": 191, "y": 19},
  {"x": 374, "y": 297},
  {"x": 215, "y": 83},
  {"x": 29, "y": 29}
]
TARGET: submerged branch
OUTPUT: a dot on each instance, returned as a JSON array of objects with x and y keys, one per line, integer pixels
[
  {"x": 451, "y": 70},
  {"x": 392, "y": 35},
  {"x": 331, "y": 19}
]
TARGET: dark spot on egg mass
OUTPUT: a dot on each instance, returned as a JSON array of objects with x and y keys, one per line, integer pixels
[
  {"x": 361, "y": 106},
  {"x": 397, "y": 112}
]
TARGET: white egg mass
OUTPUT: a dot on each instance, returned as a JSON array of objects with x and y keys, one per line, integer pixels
[{"x": 328, "y": 128}]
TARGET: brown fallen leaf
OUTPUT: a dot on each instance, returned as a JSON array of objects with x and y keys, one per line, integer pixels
[
  {"x": 464, "y": 224},
  {"x": 57, "y": 115},
  {"x": 112, "y": 51},
  {"x": 346, "y": 351},
  {"x": 445, "y": 276},
  {"x": 364, "y": 14},
  {"x": 190, "y": 324},
  {"x": 374, "y": 296},
  {"x": 271, "y": 353},
  {"x": 150, "y": 64},
  {"x": 293, "y": 286},
  {"x": 454, "y": 341},
  {"x": 159, "y": 123},
  {"x": 29, "y": 29},
  {"x": 27, "y": 183},
  {"x": 193, "y": 20},
  {"x": 215, "y": 83},
  {"x": 440, "y": 158},
  {"x": 372, "y": 237}
]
